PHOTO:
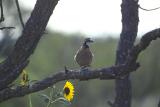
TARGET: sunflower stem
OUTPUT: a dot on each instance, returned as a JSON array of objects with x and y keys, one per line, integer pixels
[
  {"x": 51, "y": 97},
  {"x": 49, "y": 103},
  {"x": 30, "y": 100}
]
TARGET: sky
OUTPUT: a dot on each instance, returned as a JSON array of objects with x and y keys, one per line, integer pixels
[{"x": 97, "y": 17}]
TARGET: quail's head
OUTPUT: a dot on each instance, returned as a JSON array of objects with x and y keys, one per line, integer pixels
[{"x": 88, "y": 40}]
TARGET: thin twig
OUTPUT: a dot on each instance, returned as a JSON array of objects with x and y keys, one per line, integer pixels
[
  {"x": 19, "y": 13},
  {"x": 149, "y": 9},
  {"x": 3, "y": 28},
  {"x": 2, "y": 16}
]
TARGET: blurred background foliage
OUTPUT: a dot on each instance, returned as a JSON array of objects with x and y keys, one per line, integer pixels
[{"x": 56, "y": 50}]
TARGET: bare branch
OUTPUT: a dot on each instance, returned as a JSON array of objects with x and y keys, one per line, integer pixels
[
  {"x": 83, "y": 74},
  {"x": 144, "y": 43},
  {"x": 2, "y": 16},
  {"x": 3, "y": 28},
  {"x": 19, "y": 13},
  {"x": 149, "y": 9}
]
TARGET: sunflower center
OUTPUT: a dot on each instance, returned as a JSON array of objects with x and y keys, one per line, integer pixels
[{"x": 66, "y": 90}]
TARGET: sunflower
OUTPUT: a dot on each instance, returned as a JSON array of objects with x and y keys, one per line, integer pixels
[
  {"x": 68, "y": 91},
  {"x": 24, "y": 78}
]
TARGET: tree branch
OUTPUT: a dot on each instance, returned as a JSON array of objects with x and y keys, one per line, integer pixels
[
  {"x": 19, "y": 13},
  {"x": 104, "y": 73},
  {"x": 27, "y": 43},
  {"x": 3, "y": 28},
  {"x": 148, "y": 9},
  {"x": 113, "y": 72},
  {"x": 144, "y": 43},
  {"x": 2, "y": 16}
]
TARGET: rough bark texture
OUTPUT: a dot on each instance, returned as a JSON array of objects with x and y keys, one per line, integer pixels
[
  {"x": 129, "y": 10},
  {"x": 24, "y": 47},
  {"x": 104, "y": 73}
]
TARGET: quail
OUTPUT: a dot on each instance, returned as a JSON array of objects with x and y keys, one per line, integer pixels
[{"x": 84, "y": 55}]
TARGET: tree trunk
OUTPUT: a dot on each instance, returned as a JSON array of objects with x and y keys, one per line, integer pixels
[{"x": 129, "y": 10}]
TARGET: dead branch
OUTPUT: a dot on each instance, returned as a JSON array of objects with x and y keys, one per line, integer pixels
[
  {"x": 103, "y": 73},
  {"x": 148, "y": 9},
  {"x": 3, "y": 28},
  {"x": 19, "y": 13},
  {"x": 2, "y": 15}
]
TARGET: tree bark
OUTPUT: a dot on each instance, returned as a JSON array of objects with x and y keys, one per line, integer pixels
[
  {"x": 130, "y": 19},
  {"x": 26, "y": 44}
]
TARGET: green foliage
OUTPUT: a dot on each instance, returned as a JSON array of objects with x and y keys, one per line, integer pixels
[{"x": 53, "y": 97}]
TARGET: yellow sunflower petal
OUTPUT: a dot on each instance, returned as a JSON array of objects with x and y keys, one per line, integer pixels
[{"x": 68, "y": 91}]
